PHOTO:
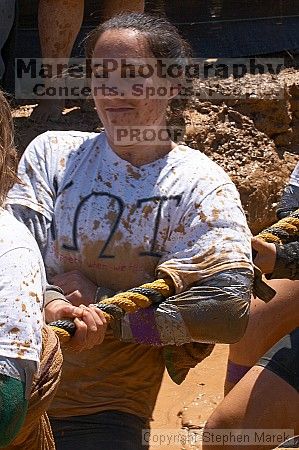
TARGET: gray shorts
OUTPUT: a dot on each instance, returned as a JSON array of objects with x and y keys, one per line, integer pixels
[{"x": 283, "y": 359}]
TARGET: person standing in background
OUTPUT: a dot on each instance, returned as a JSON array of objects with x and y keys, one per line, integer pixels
[
  {"x": 7, "y": 14},
  {"x": 59, "y": 22}
]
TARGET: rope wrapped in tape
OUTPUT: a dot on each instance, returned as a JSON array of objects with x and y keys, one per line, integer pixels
[{"x": 124, "y": 302}]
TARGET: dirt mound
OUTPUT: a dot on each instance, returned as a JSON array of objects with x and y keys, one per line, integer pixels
[
  {"x": 250, "y": 127},
  {"x": 248, "y": 155}
]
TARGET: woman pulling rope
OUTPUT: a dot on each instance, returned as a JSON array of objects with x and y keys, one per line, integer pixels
[{"x": 113, "y": 212}]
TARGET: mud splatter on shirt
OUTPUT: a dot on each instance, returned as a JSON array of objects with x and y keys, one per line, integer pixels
[
  {"x": 22, "y": 279},
  {"x": 122, "y": 225}
]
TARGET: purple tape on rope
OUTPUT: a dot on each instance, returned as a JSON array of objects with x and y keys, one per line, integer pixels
[{"x": 143, "y": 327}]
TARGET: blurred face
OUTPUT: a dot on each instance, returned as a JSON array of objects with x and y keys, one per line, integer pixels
[{"x": 118, "y": 92}]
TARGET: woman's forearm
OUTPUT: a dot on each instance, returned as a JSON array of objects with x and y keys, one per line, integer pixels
[{"x": 213, "y": 311}]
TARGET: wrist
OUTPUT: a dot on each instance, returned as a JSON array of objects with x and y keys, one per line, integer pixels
[
  {"x": 54, "y": 308},
  {"x": 272, "y": 258},
  {"x": 48, "y": 301},
  {"x": 53, "y": 295}
]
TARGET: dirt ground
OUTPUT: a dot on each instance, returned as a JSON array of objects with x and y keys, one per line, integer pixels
[{"x": 189, "y": 405}]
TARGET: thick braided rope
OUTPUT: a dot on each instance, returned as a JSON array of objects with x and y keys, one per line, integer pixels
[
  {"x": 128, "y": 302},
  {"x": 283, "y": 231}
]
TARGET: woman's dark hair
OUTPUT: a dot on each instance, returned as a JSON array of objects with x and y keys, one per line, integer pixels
[
  {"x": 8, "y": 154},
  {"x": 163, "y": 38}
]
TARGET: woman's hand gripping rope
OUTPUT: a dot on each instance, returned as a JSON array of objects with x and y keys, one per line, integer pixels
[
  {"x": 264, "y": 251},
  {"x": 115, "y": 307},
  {"x": 282, "y": 232},
  {"x": 89, "y": 321}
]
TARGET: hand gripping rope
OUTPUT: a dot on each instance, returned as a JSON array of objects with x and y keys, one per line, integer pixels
[
  {"x": 282, "y": 232},
  {"x": 124, "y": 302}
]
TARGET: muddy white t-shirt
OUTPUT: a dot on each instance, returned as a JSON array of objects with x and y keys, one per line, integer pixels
[
  {"x": 119, "y": 223},
  {"x": 122, "y": 225},
  {"x": 294, "y": 178},
  {"x": 22, "y": 280}
]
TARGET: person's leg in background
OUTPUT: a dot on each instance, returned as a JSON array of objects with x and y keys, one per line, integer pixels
[
  {"x": 7, "y": 14},
  {"x": 266, "y": 398},
  {"x": 59, "y": 22},
  {"x": 262, "y": 401},
  {"x": 268, "y": 323}
]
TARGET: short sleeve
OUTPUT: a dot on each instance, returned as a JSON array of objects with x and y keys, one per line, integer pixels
[
  {"x": 22, "y": 280},
  {"x": 294, "y": 178},
  {"x": 37, "y": 190},
  {"x": 211, "y": 236}
]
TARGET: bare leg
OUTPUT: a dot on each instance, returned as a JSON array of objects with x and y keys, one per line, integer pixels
[
  {"x": 268, "y": 322},
  {"x": 59, "y": 22},
  {"x": 111, "y": 8},
  {"x": 261, "y": 400},
  {"x": 7, "y": 14}
]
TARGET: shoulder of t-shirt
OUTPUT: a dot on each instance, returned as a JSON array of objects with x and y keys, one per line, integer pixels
[
  {"x": 294, "y": 178},
  {"x": 65, "y": 140},
  {"x": 15, "y": 235},
  {"x": 49, "y": 149},
  {"x": 200, "y": 163}
]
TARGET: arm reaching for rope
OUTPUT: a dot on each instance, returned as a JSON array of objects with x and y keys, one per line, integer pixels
[
  {"x": 277, "y": 260},
  {"x": 215, "y": 310},
  {"x": 265, "y": 255},
  {"x": 277, "y": 247},
  {"x": 208, "y": 258}
]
